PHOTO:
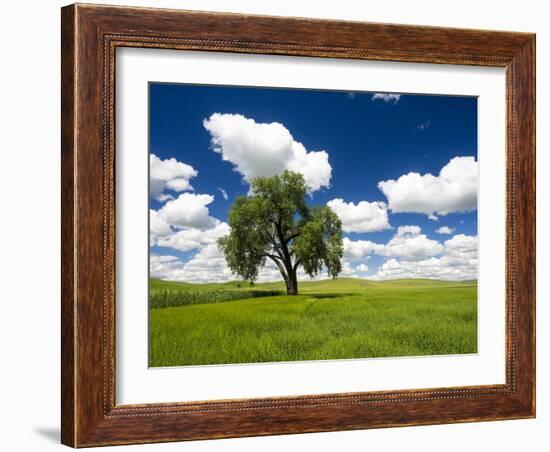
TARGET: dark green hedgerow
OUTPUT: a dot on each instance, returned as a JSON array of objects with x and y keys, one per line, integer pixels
[{"x": 173, "y": 298}]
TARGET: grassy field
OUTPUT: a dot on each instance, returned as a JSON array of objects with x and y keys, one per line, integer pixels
[{"x": 344, "y": 318}]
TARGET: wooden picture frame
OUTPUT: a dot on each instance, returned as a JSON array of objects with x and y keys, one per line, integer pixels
[{"x": 90, "y": 36}]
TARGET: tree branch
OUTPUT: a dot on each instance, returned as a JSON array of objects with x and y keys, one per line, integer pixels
[
  {"x": 281, "y": 238},
  {"x": 281, "y": 269},
  {"x": 272, "y": 256},
  {"x": 293, "y": 236}
]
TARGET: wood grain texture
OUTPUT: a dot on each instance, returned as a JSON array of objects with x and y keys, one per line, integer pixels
[
  {"x": 90, "y": 36},
  {"x": 68, "y": 147}
]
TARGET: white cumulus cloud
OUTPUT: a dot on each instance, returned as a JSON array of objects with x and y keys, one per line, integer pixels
[
  {"x": 355, "y": 250},
  {"x": 185, "y": 223},
  {"x": 462, "y": 246},
  {"x": 163, "y": 266},
  {"x": 453, "y": 190},
  {"x": 168, "y": 174},
  {"x": 361, "y": 217},
  {"x": 158, "y": 227},
  {"x": 387, "y": 97},
  {"x": 409, "y": 244},
  {"x": 403, "y": 231},
  {"x": 192, "y": 238},
  {"x": 265, "y": 149},
  {"x": 445, "y": 230},
  {"x": 208, "y": 265},
  {"x": 457, "y": 262},
  {"x": 188, "y": 210}
]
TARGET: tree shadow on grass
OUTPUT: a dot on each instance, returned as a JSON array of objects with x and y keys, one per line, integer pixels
[{"x": 322, "y": 296}]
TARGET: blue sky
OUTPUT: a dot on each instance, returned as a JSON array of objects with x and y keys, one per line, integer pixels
[{"x": 358, "y": 140}]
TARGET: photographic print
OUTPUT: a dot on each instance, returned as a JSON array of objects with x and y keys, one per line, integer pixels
[{"x": 300, "y": 225}]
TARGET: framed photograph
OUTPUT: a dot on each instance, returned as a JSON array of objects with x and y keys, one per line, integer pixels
[{"x": 281, "y": 225}]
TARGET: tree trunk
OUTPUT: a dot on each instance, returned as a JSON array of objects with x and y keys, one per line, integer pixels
[{"x": 292, "y": 284}]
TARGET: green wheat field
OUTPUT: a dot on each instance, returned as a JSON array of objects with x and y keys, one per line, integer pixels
[{"x": 197, "y": 324}]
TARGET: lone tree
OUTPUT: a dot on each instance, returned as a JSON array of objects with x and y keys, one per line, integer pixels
[{"x": 274, "y": 222}]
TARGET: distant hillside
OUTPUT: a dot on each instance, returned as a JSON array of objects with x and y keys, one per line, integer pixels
[{"x": 326, "y": 285}]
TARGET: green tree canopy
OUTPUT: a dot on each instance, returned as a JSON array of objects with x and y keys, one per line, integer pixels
[{"x": 274, "y": 222}]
